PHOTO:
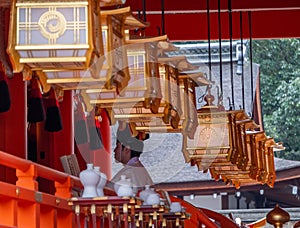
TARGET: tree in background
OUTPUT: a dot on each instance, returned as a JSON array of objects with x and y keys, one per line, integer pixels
[{"x": 279, "y": 61}]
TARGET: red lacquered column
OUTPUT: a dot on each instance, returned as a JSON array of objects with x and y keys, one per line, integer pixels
[
  {"x": 102, "y": 157},
  {"x": 13, "y": 124},
  {"x": 63, "y": 141}
]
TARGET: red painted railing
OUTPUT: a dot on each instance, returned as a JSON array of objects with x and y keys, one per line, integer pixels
[
  {"x": 22, "y": 205},
  {"x": 257, "y": 224},
  {"x": 202, "y": 216}
]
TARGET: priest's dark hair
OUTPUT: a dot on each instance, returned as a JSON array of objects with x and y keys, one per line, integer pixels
[{"x": 126, "y": 139}]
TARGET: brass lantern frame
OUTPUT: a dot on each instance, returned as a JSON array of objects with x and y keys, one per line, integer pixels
[
  {"x": 143, "y": 89},
  {"x": 36, "y": 42},
  {"x": 260, "y": 167},
  {"x": 99, "y": 75},
  {"x": 115, "y": 23},
  {"x": 173, "y": 72}
]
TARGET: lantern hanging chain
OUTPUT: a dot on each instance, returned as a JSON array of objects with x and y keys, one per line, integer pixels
[
  {"x": 209, "y": 38},
  {"x": 230, "y": 104},
  {"x": 231, "y": 57},
  {"x": 220, "y": 97},
  {"x": 139, "y": 17},
  {"x": 201, "y": 98},
  {"x": 220, "y": 45},
  {"x": 142, "y": 33},
  {"x": 144, "y": 10},
  {"x": 250, "y": 47},
  {"x": 163, "y": 17},
  {"x": 242, "y": 58}
]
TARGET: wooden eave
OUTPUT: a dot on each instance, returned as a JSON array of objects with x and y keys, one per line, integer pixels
[
  {"x": 107, "y": 3},
  {"x": 197, "y": 77},
  {"x": 167, "y": 46},
  {"x": 179, "y": 62},
  {"x": 147, "y": 39},
  {"x": 130, "y": 21},
  {"x": 118, "y": 11}
]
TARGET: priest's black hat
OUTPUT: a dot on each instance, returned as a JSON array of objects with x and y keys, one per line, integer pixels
[{"x": 124, "y": 136}]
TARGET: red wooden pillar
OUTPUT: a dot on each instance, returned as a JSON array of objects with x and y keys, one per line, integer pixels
[
  {"x": 102, "y": 157},
  {"x": 63, "y": 141},
  {"x": 99, "y": 157},
  {"x": 13, "y": 125},
  {"x": 53, "y": 145}
]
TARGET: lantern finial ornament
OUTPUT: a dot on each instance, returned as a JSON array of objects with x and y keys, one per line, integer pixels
[{"x": 277, "y": 217}]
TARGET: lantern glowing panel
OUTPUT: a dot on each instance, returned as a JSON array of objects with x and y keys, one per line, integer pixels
[
  {"x": 211, "y": 139},
  {"x": 173, "y": 95}
]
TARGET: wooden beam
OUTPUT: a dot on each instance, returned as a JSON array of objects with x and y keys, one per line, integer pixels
[
  {"x": 264, "y": 24},
  {"x": 196, "y": 5}
]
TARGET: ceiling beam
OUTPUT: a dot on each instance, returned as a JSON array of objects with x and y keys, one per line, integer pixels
[
  {"x": 196, "y": 5},
  {"x": 194, "y": 26},
  {"x": 187, "y": 20}
]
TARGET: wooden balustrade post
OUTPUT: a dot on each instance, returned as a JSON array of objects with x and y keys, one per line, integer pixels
[
  {"x": 64, "y": 190},
  {"x": 27, "y": 179}
]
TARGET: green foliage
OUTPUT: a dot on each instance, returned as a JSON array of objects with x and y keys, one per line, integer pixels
[{"x": 280, "y": 88}]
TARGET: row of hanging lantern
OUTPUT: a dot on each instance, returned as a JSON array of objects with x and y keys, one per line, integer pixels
[
  {"x": 77, "y": 46},
  {"x": 142, "y": 95},
  {"x": 72, "y": 44},
  {"x": 228, "y": 145}
]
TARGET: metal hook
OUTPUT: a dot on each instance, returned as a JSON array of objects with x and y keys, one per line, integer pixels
[{"x": 230, "y": 104}]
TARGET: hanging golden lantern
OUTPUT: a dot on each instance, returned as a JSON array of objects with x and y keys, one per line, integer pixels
[
  {"x": 231, "y": 171},
  {"x": 142, "y": 60},
  {"x": 102, "y": 73},
  {"x": 144, "y": 89},
  {"x": 270, "y": 147},
  {"x": 114, "y": 24},
  {"x": 175, "y": 95},
  {"x": 189, "y": 82},
  {"x": 212, "y": 138},
  {"x": 259, "y": 169},
  {"x": 115, "y": 65},
  {"x": 54, "y": 34},
  {"x": 262, "y": 150},
  {"x": 142, "y": 98},
  {"x": 170, "y": 68}
]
